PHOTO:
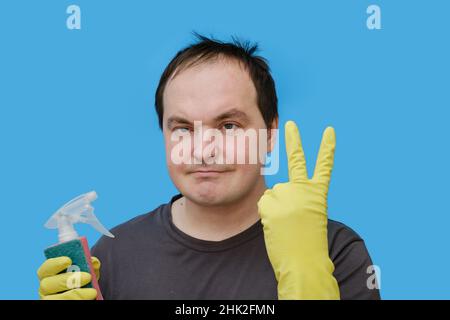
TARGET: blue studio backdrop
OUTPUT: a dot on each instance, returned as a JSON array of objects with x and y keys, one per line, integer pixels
[{"x": 77, "y": 114}]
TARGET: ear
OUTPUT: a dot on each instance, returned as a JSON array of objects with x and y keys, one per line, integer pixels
[{"x": 272, "y": 134}]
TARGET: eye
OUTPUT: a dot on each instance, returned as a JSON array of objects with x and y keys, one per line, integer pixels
[
  {"x": 181, "y": 129},
  {"x": 230, "y": 126}
]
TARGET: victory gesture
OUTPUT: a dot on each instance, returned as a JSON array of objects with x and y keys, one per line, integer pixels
[{"x": 294, "y": 216}]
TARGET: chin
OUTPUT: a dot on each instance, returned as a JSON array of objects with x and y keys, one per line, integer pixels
[
  {"x": 215, "y": 192},
  {"x": 206, "y": 198},
  {"x": 212, "y": 195}
]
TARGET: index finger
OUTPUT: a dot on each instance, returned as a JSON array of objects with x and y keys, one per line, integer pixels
[
  {"x": 53, "y": 266},
  {"x": 295, "y": 155}
]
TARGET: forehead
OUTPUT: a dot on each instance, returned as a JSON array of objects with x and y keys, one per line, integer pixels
[{"x": 204, "y": 90}]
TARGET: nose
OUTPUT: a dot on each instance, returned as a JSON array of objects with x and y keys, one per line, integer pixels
[{"x": 206, "y": 146}]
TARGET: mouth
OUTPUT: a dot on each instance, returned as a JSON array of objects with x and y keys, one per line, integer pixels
[{"x": 208, "y": 173}]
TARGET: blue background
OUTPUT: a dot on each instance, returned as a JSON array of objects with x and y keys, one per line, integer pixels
[{"x": 76, "y": 114}]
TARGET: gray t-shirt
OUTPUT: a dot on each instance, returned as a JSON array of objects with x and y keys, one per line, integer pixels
[{"x": 150, "y": 258}]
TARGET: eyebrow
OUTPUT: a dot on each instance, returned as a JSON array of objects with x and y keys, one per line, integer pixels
[
  {"x": 230, "y": 114},
  {"x": 176, "y": 119}
]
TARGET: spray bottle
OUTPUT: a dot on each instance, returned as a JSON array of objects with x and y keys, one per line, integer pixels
[{"x": 70, "y": 244}]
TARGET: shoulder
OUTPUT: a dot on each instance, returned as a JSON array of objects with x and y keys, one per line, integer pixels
[
  {"x": 342, "y": 239},
  {"x": 131, "y": 231},
  {"x": 352, "y": 262},
  {"x": 338, "y": 232}
]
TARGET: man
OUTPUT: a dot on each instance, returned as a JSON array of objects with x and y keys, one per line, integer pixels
[{"x": 226, "y": 236}]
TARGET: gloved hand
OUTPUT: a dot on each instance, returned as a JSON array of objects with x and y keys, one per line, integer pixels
[
  {"x": 294, "y": 216},
  {"x": 54, "y": 286}
]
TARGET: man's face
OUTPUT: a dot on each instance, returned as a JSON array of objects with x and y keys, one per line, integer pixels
[{"x": 220, "y": 94}]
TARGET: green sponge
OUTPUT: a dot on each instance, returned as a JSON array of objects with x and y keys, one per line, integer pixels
[{"x": 75, "y": 250}]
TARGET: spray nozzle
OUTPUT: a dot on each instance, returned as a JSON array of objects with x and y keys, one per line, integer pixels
[{"x": 76, "y": 210}]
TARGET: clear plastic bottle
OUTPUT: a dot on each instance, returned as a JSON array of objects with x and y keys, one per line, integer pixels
[{"x": 70, "y": 244}]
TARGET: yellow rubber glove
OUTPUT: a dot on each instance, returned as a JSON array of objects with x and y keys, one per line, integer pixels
[
  {"x": 294, "y": 216},
  {"x": 54, "y": 286}
]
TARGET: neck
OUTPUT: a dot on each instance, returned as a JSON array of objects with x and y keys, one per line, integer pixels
[{"x": 216, "y": 223}]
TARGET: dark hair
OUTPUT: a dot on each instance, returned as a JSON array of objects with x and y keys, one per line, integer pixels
[{"x": 208, "y": 48}]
